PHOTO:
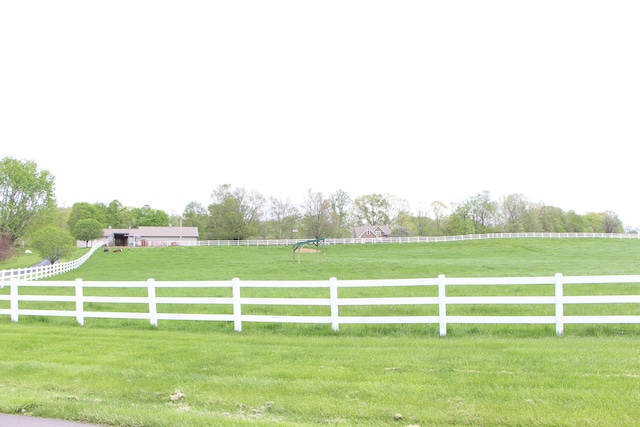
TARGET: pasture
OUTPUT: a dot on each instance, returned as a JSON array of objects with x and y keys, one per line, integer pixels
[
  {"x": 477, "y": 258},
  {"x": 126, "y": 373}
]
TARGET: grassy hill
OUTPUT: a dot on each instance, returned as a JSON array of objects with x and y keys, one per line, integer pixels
[
  {"x": 479, "y": 258},
  {"x": 197, "y": 374}
]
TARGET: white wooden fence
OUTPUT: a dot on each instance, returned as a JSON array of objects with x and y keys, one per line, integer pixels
[
  {"x": 413, "y": 239},
  {"x": 43, "y": 271},
  {"x": 237, "y": 303}
]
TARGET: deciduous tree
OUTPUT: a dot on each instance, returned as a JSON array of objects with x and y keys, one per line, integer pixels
[
  {"x": 283, "y": 216},
  {"x": 439, "y": 210},
  {"x": 340, "y": 202},
  {"x": 575, "y": 222},
  {"x": 25, "y": 194},
  {"x": 53, "y": 243},
  {"x": 6, "y": 248},
  {"x": 372, "y": 209},
  {"x": 551, "y": 219},
  {"x": 459, "y": 222},
  {"x": 235, "y": 213},
  {"x": 482, "y": 212},
  {"x": 611, "y": 223},
  {"x": 82, "y": 211},
  {"x": 421, "y": 221},
  {"x": 87, "y": 229},
  {"x": 514, "y": 210},
  {"x": 316, "y": 212},
  {"x": 117, "y": 216},
  {"x": 398, "y": 214},
  {"x": 146, "y": 216},
  {"x": 196, "y": 215}
]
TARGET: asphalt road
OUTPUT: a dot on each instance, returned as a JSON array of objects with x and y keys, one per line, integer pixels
[{"x": 26, "y": 421}]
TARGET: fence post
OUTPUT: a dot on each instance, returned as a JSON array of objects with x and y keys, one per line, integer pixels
[
  {"x": 237, "y": 307},
  {"x": 13, "y": 309},
  {"x": 79, "y": 303},
  {"x": 333, "y": 296},
  {"x": 559, "y": 305},
  {"x": 442, "y": 305},
  {"x": 153, "y": 310}
]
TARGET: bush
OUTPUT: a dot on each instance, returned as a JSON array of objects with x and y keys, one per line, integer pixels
[{"x": 53, "y": 243}]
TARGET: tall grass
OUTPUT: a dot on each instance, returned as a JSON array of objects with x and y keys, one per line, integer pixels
[{"x": 125, "y": 373}]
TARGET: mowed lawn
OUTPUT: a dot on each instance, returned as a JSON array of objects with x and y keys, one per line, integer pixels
[{"x": 126, "y": 373}]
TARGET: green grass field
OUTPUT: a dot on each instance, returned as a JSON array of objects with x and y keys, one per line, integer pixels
[
  {"x": 126, "y": 373},
  {"x": 20, "y": 260},
  {"x": 480, "y": 258}
]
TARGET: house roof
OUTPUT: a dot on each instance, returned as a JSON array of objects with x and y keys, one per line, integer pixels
[
  {"x": 361, "y": 231},
  {"x": 157, "y": 232}
]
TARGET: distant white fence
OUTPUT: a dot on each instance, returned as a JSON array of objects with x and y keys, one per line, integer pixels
[
  {"x": 236, "y": 303},
  {"x": 413, "y": 239},
  {"x": 42, "y": 271}
]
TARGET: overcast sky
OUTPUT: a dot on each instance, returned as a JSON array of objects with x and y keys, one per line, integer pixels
[{"x": 160, "y": 102}]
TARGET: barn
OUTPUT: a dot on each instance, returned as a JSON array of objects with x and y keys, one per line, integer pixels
[{"x": 151, "y": 236}]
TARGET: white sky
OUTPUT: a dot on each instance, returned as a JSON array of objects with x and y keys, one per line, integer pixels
[{"x": 160, "y": 102}]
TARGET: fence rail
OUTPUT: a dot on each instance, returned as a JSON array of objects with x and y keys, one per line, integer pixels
[
  {"x": 413, "y": 239},
  {"x": 43, "y": 271},
  {"x": 236, "y": 304}
]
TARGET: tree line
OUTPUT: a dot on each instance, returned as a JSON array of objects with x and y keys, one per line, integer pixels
[
  {"x": 238, "y": 214},
  {"x": 28, "y": 206}
]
